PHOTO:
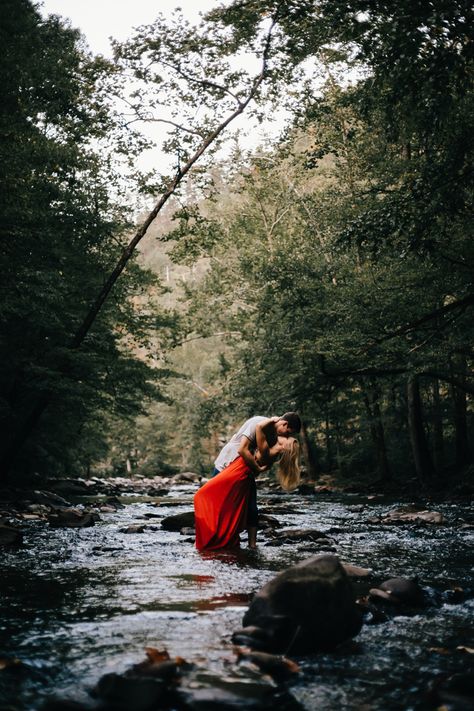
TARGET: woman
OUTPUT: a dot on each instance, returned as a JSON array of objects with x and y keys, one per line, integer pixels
[{"x": 221, "y": 505}]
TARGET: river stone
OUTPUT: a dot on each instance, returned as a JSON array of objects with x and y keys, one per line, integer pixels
[
  {"x": 297, "y": 535},
  {"x": 306, "y": 608},
  {"x": 266, "y": 521},
  {"x": 48, "y": 498},
  {"x": 69, "y": 486},
  {"x": 178, "y": 521},
  {"x": 71, "y": 518},
  {"x": 185, "y": 477},
  {"x": 208, "y": 692},
  {"x": 133, "y": 528},
  {"x": 400, "y": 516},
  {"x": 399, "y": 591},
  {"x": 10, "y": 536},
  {"x": 140, "y": 693}
]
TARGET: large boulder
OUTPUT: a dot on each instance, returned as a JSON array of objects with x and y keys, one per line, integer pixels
[
  {"x": 306, "y": 608},
  {"x": 178, "y": 521}
]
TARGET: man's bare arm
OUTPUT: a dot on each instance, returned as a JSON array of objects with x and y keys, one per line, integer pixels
[{"x": 248, "y": 457}]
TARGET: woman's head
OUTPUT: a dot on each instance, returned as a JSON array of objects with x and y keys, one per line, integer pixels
[{"x": 289, "y": 465}]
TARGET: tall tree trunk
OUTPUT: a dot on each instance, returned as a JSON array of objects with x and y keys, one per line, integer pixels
[
  {"x": 327, "y": 436},
  {"x": 308, "y": 453},
  {"x": 437, "y": 418},
  {"x": 378, "y": 434},
  {"x": 462, "y": 451},
  {"x": 421, "y": 453}
]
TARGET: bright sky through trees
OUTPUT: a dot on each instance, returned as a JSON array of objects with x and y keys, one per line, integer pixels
[{"x": 99, "y": 21}]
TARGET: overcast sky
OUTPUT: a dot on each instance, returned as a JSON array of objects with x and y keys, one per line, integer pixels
[{"x": 101, "y": 19}]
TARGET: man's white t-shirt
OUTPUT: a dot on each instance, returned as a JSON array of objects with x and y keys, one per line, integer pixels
[{"x": 231, "y": 450}]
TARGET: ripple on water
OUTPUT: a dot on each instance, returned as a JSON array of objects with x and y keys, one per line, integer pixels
[{"x": 80, "y": 603}]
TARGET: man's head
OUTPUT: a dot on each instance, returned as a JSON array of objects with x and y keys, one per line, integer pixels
[{"x": 288, "y": 424}]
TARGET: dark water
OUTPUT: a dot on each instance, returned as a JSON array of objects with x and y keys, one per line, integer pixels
[{"x": 78, "y": 603}]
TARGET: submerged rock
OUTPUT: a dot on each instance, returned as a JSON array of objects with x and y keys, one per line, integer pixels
[
  {"x": 306, "y": 608},
  {"x": 399, "y": 591},
  {"x": 178, "y": 521},
  {"x": 10, "y": 536}
]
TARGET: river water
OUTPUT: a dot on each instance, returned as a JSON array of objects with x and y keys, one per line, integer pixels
[{"x": 78, "y": 603}]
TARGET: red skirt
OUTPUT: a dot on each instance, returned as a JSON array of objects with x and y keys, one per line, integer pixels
[{"x": 220, "y": 507}]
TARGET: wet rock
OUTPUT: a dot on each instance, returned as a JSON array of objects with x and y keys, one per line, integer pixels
[
  {"x": 185, "y": 478},
  {"x": 399, "y": 591},
  {"x": 252, "y": 636},
  {"x": 38, "y": 509},
  {"x": 72, "y": 518},
  {"x": 188, "y": 532},
  {"x": 354, "y": 571},
  {"x": 399, "y": 516},
  {"x": 159, "y": 665},
  {"x": 455, "y": 693},
  {"x": 178, "y": 521},
  {"x": 69, "y": 486},
  {"x": 107, "y": 509},
  {"x": 324, "y": 489},
  {"x": 49, "y": 499},
  {"x": 133, "y": 528},
  {"x": 10, "y": 536},
  {"x": 306, "y": 608},
  {"x": 157, "y": 492},
  {"x": 372, "y": 614},
  {"x": 207, "y": 692},
  {"x": 124, "y": 693},
  {"x": 266, "y": 521},
  {"x": 306, "y": 489},
  {"x": 296, "y": 535},
  {"x": 115, "y": 502}
]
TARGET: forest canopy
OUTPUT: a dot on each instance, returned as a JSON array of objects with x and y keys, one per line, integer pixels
[{"x": 328, "y": 271}]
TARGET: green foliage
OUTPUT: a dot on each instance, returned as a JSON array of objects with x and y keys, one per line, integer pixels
[{"x": 62, "y": 225}]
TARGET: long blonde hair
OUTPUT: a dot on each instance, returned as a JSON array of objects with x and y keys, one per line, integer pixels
[{"x": 289, "y": 466}]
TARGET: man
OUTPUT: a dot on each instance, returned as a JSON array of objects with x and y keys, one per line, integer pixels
[{"x": 244, "y": 443}]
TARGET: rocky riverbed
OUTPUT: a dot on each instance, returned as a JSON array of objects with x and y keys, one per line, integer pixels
[{"x": 94, "y": 573}]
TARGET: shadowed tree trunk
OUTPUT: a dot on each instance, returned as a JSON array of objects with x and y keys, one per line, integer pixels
[
  {"x": 327, "y": 437},
  {"x": 437, "y": 419},
  {"x": 421, "y": 453},
  {"x": 308, "y": 453},
  {"x": 377, "y": 432},
  {"x": 462, "y": 451}
]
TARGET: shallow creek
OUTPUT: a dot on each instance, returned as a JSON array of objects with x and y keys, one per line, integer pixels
[{"x": 78, "y": 603}]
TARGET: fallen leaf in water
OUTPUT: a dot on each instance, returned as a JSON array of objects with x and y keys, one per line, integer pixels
[
  {"x": 7, "y": 663},
  {"x": 157, "y": 655},
  {"x": 439, "y": 650}
]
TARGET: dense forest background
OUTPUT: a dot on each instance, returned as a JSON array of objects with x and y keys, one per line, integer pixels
[{"x": 329, "y": 271}]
